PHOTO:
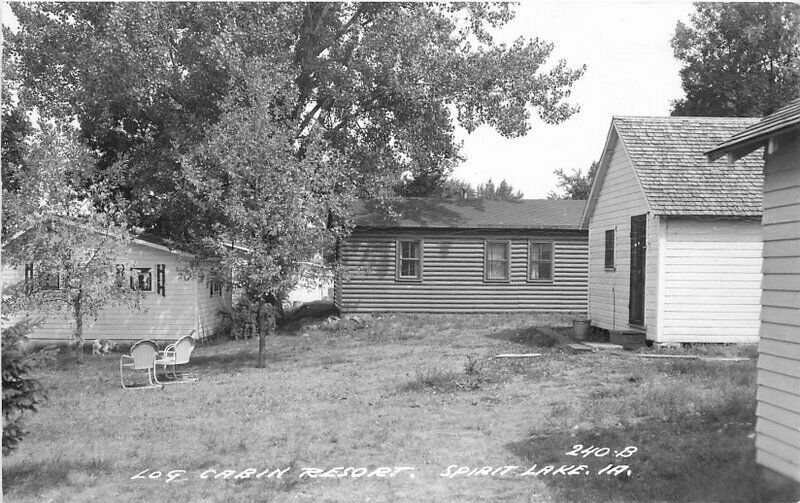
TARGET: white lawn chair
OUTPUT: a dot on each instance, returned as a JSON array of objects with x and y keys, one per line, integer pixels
[
  {"x": 177, "y": 353},
  {"x": 143, "y": 357}
]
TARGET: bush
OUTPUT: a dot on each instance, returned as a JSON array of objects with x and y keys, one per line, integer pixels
[{"x": 20, "y": 393}]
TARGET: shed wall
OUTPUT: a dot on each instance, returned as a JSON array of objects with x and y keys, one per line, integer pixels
[
  {"x": 619, "y": 198},
  {"x": 453, "y": 273},
  {"x": 778, "y": 424},
  {"x": 712, "y": 281}
]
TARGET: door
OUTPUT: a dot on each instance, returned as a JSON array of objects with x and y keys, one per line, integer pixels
[{"x": 638, "y": 257}]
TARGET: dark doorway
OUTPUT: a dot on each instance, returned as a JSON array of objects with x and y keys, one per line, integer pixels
[{"x": 638, "y": 258}]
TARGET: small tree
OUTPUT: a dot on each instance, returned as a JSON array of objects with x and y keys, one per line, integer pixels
[
  {"x": 574, "y": 185},
  {"x": 73, "y": 237},
  {"x": 264, "y": 205},
  {"x": 20, "y": 393}
]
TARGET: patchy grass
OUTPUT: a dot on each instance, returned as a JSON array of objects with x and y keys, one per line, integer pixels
[{"x": 417, "y": 391}]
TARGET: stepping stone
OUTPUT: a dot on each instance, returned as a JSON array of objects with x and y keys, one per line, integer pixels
[
  {"x": 581, "y": 347},
  {"x": 603, "y": 345}
]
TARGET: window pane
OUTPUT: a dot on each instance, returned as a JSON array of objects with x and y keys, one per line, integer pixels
[
  {"x": 609, "y": 255},
  {"x": 409, "y": 249},
  {"x": 544, "y": 270},
  {"x": 497, "y": 251},
  {"x": 541, "y": 251},
  {"x": 408, "y": 268},
  {"x": 498, "y": 270}
]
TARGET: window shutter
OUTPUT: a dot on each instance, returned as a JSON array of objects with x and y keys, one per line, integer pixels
[
  {"x": 28, "y": 278},
  {"x": 161, "y": 279}
]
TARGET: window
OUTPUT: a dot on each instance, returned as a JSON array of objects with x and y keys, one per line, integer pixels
[
  {"x": 119, "y": 277},
  {"x": 541, "y": 261},
  {"x": 42, "y": 281},
  {"x": 215, "y": 287},
  {"x": 610, "y": 249},
  {"x": 161, "y": 279},
  {"x": 497, "y": 260},
  {"x": 141, "y": 279},
  {"x": 49, "y": 281},
  {"x": 409, "y": 260}
]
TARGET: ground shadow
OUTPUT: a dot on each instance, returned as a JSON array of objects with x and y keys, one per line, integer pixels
[
  {"x": 527, "y": 336},
  {"x": 37, "y": 477},
  {"x": 312, "y": 313},
  {"x": 710, "y": 457}
]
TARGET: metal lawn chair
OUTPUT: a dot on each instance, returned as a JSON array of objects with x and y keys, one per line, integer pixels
[
  {"x": 143, "y": 357},
  {"x": 175, "y": 354}
]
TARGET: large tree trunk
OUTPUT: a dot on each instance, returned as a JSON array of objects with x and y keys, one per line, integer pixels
[
  {"x": 78, "y": 334},
  {"x": 262, "y": 335}
]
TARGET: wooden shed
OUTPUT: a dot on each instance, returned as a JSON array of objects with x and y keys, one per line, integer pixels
[
  {"x": 675, "y": 239},
  {"x": 465, "y": 255},
  {"x": 778, "y": 424},
  {"x": 171, "y": 306}
]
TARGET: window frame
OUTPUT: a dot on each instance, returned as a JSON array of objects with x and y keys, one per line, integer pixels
[
  {"x": 399, "y": 260},
  {"x": 150, "y": 282},
  {"x": 613, "y": 250},
  {"x": 552, "y": 261},
  {"x": 486, "y": 269}
]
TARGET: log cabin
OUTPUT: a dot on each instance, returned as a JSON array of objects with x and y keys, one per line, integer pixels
[{"x": 464, "y": 255}]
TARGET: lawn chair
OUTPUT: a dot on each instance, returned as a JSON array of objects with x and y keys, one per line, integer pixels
[
  {"x": 177, "y": 353},
  {"x": 143, "y": 356}
]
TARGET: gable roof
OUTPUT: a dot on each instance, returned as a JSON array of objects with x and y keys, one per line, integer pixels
[
  {"x": 677, "y": 179},
  {"x": 755, "y": 136},
  {"x": 426, "y": 213},
  {"x": 145, "y": 239}
]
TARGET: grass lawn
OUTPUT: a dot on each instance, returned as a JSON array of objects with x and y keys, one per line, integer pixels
[{"x": 399, "y": 408}]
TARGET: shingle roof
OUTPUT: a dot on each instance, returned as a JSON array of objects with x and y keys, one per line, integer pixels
[
  {"x": 754, "y": 136},
  {"x": 472, "y": 214},
  {"x": 678, "y": 179}
]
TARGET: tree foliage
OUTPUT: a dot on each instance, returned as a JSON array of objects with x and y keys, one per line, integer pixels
[
  {"x": 574, "y": 185},
  {"x": 376, "y": 81},
  {"x": 71, "y": 235},
  {"x": 21, "y": 393},
  {"x": 739, "y": 59},
  {"x": 454, "y": 188}
]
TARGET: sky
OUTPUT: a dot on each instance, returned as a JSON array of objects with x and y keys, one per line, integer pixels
[{"x": 630, "y": 71}]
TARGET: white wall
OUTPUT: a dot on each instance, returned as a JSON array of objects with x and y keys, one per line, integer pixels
[
  {"x": 778, "y": 424},
  {"x": 712, "y": 281},
  {"x": 619, "y": 198}
]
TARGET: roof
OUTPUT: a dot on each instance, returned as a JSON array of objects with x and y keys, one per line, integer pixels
[
  {"x": 425, "y": 213},
  {"x": 667, "y": 154},
  {"x": 755, "y": 136}
]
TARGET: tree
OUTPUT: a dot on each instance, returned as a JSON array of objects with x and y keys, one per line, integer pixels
[
  {"x": 454, "y": 188},
  {"x": 377, "y": 81},
  {"x": 574, "y": 185},
  {"x": 311, "y": 104},
  {"x": 739, "y": 59},
  {"x": 21, "y": 393},
  {"x": 68, "y": 248},
  {"x": 488, "y": 190},
  {"x": 263, "y": 209}
]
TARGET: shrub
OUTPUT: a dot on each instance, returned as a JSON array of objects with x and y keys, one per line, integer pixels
[{"x": 20, "y": 393}]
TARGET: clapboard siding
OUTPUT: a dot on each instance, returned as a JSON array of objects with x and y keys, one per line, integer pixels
[
  {"x": 453, "y": 273},
  {"x": 777, "y": 437},
  {"x": 160, "y": 317},
  {"x": 619, "y": 198},
  {"x": 209, "y": 320},
  {"x": 712, "y": 280}
]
